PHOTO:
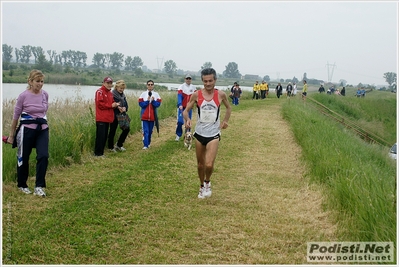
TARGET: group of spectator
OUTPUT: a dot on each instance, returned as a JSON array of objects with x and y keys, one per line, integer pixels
[
  {"x": 290, "y": 90},
  {"x": 260, "y": 91},
  {"x": 32, "y": 131},
  {"x": 109, "y": 104},
  {"x": 332, "y": 90},
  {"x": 360, "y": 92}
]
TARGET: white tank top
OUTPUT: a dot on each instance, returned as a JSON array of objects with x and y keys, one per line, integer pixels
[{"x": 208, "y": 115}]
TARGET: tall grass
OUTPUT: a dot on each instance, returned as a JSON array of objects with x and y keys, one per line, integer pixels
[
  {"x": 72, "y": 130},
  {"x": 359, "y": 178},
  {"x": 376, "y": 112}
]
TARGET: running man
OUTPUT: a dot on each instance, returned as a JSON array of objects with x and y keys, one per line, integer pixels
[{"x": 208, "y": 126}]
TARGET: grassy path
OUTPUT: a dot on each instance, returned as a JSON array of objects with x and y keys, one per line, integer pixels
[{"x": 141, "y": 207}]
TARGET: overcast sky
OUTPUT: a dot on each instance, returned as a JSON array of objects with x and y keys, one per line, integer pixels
[{"x": 279, "y": 39}]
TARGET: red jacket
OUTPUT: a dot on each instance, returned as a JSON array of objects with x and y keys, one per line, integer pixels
[{"x": 104, "y": 110}]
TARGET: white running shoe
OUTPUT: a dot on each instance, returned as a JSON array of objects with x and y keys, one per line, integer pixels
[
  {"x": 177, "y": 138},
  {"x": 117, "y": 148},
  {"x": 39, "y": 191},
  {"x": 201, "y": 192},
  {"x": 144, "y": 148},
  {"x": 208, "y": 189},
  {"x": 25, "y": 190}
]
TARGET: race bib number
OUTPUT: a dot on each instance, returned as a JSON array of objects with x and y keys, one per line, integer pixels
[{"x": 208, "y": 115}]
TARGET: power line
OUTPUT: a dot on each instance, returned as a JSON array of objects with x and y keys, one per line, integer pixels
[
  {"x": 160, "y": 65},
  {"x": 330, "y": 75},
  {"x": 364, "y": 75}
]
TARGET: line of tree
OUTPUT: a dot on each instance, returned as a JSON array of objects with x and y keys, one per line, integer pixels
[
  {"x": 117, "y": 61},
  {"x": 78, "y": 59}
]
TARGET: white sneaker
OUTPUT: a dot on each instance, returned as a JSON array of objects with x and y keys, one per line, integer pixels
[
  {"x": 117, "y": 148},
  {"x": 25, "y": 190},
  {"x": 112, "y": 150},
  {"x": 201, "y": 192},
  {"x": 177, "y": 138},
  {"x": 145, "y": 148},
  {"x": 208, "y": 189},
  {"x": 39, "y": 191}
]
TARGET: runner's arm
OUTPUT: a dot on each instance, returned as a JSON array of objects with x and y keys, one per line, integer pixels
[{"x": 226, "y": 103}]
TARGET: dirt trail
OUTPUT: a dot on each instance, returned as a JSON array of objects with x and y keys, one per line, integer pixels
[{"x": 269, "y": 166}]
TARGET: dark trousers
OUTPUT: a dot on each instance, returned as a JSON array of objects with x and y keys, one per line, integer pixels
[
  {"x": 39, "y": 140},
  {"x": 101, "y": 137},
  {"x": 111, "y": 136},
  {"x": 263, "y": 94},
  {"x": 255, "y": 95}
]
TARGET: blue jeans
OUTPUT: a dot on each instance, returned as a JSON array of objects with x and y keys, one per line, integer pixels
[{"x": 180, "y": 121}]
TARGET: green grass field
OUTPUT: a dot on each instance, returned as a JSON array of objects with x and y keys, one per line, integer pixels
[{"x": 285, "y": 175}]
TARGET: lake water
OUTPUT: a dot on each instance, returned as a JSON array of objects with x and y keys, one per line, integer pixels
[
  {"x": 11, "y": 91},
  {"x": 56, "y": 92}
]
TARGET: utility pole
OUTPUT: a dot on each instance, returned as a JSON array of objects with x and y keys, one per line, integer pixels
[
  {"x": 330, "y": 75},
  {"x": 159, "y": 65}
]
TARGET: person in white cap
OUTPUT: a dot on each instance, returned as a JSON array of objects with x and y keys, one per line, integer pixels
[
  {"x": 184, "y": 93},
  {"x": 105, "y": 105}
]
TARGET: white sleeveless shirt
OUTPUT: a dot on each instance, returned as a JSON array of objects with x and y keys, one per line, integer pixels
[{"x": 208, "y": 115}]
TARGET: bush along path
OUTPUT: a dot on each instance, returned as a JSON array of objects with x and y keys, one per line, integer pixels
[{"x": 141, "y": 207}]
